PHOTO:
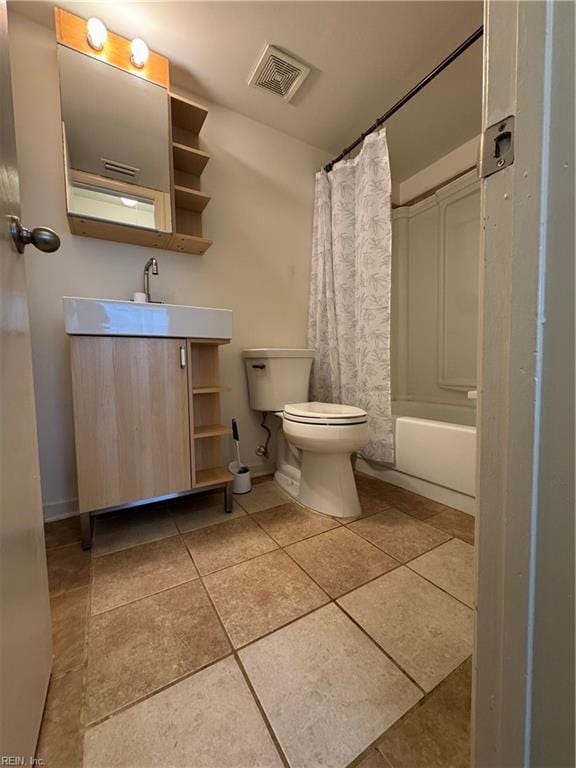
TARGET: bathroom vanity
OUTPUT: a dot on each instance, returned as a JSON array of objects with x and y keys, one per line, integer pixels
[{"x": 146, "y": 388}]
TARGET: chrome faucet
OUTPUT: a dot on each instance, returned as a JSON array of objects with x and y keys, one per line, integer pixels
[{"x": 150, "y": 264}]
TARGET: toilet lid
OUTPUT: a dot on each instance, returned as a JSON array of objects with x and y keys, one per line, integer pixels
[{"x": 324, "y": 413}]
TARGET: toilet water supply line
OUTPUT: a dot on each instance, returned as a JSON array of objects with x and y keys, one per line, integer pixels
[{"x": 262, "y": 450}]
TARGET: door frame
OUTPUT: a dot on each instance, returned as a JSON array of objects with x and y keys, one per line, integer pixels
[{"x": 523, "y": 702}]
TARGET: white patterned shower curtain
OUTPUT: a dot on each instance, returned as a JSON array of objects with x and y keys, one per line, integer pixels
[{"x": 349, "y": 317}]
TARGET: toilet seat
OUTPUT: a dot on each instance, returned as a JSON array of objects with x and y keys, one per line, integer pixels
[{"x": 326, "y": 414}]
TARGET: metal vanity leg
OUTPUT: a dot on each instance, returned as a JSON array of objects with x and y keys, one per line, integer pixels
[
  {"x": 228, "y": 497},
  {"x": 86, "y": 530}
]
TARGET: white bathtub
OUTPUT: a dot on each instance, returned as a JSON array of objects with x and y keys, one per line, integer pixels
[
  {"x": 437, "y": 443},
  {"x": 435, "y": 452}
]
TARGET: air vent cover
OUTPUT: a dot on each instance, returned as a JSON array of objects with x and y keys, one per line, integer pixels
[
  {"x": 278, "y": 73},
  {"x": 114, "y": 170}
]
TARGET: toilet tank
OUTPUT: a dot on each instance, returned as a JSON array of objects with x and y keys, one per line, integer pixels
[{"x": 277, "y": 377}]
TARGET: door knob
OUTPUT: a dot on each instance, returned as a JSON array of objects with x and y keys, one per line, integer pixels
[{"x": 44, "y": 238}]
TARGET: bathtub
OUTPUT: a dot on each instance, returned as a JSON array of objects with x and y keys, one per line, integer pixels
[{"x": 435, "y": 452}]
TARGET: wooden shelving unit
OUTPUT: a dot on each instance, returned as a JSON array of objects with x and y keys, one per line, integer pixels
[
  {"x": 189, "y": 244},
  {"x": 186, "y": 114},
  {"x": 215, "y": 476},
  {"x": 188, "y": 163},
  {"x": 211, "y": 430},
  {"x": 210, "y": 390},
  {"x": 206, "y": 428},
  {"x": 190, "y": 199},
  {"x": 188, "y": 160}
]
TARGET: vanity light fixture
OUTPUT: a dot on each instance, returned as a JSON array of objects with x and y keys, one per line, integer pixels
[
  {"x": 138, "y": 52},
  {"x": 96, "y": 33},
  {"x": 129, "y": 201}
]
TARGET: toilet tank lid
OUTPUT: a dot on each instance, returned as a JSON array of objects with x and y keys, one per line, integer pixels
[{"x": 277, "y": 352}]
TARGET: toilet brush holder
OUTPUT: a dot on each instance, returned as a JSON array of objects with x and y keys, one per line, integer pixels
[{"x": 242, "y": 482}]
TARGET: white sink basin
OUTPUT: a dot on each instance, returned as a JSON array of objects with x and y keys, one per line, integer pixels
[{"x": 108, "y": 317}]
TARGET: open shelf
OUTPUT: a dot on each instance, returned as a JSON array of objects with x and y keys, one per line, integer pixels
[
  {"x": 189, "y": 243},
  {"x": 190, "y": 199},
  {"x": 186, "y": 114},
  {"x": 211, "y": 430},
  {"x": 188, "y": 160},
  {"x": 212, "y": 476},
  {"x": 205, "y": 369},
  {"x": 210, "y": 390},
  {"x": 119, "y": 233}
]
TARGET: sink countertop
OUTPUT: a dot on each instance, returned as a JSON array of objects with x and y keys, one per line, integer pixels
[{"x": 113, "y": 317}]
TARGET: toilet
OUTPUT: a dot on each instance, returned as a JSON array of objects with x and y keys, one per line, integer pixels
[{"x": 316, "y": 440}]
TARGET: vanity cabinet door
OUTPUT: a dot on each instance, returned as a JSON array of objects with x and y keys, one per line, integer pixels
[{"x": 131, "y": 414}]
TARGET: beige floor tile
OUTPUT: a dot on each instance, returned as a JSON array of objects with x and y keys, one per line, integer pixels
[
  {"x": 374, "y": 759},
  {"x": 370, "y": 506},
  {"x": 140, "y": 647},
  {"x": 130, "y": 528},
  {"x": 450, "y": 567},
  {"x": 258, "y": 596},
  {"x": 436, "y": 732},
  {"x": 69, "y": 624},
  {"x": 60, "y": 742},
  {"x": 289, "y": 523},
  {"x": 209, "y": 720},
  {"x": 371, "y": 487},
  {"x": 340, "y": 561},
  {"x": 417, "y": 506},
  {"x": 326, "y": 689},
  {"x": 220, "y": 546},
  {"x": 423, "y": 629},
  {"x": 130, "y": 574},
  {"x": 456, "y": 523},
  {"x": 203, "y": 511},
  {"x": 68, "y": 568},
  {"x": 398, "y": 534},
  {"x": 263, "y": 496},
  {"x": 58, "y": 533}
]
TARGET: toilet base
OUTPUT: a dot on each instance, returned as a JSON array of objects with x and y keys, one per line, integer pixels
[{"x": 333, "y": 491}]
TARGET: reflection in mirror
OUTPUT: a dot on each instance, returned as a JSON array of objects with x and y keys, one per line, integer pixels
[{"x": 116, "y": 142}]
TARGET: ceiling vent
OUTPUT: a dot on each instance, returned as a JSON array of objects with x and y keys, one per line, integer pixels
[{"x": 279, "y": 73}]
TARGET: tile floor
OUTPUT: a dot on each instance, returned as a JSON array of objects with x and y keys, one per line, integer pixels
[{"x": 268, "y": 637}]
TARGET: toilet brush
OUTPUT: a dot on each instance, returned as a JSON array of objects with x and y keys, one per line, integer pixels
[{"x": 242, "y": 468}]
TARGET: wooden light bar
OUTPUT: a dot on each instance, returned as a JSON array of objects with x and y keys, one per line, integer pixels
[{"x": 71, "y": 31}]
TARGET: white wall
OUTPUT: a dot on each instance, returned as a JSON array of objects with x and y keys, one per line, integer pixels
[
  {"x": 260, "y": 218},
  {"x": 451, "y": 165},
  {"x": 435, "y": 265}
]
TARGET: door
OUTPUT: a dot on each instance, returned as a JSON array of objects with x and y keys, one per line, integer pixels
[
  {"x": 524, "y": 655},
  {"x": 25, "y": 631},
  {"x": 131, "y": 418}
]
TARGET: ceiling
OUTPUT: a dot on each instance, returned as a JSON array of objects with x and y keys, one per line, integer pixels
[{"x": 364, "y": 56}]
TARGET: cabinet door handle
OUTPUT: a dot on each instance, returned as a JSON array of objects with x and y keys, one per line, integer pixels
[{"x": 182, "y": 357}]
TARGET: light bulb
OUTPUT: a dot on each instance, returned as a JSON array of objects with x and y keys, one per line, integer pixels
[
  {"x": 139, "y": 52},
  {"x": 129, "y": 201},
  {"x": 96, "y": 33}
]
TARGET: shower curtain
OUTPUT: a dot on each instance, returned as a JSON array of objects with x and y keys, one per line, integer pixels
[{"x": 349, "y": 316}]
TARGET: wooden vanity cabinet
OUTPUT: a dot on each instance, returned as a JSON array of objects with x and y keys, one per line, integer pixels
[{"x": 147, "y": 420}]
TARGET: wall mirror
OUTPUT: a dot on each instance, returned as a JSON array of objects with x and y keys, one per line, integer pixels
[{"x": 116, "y": 130}]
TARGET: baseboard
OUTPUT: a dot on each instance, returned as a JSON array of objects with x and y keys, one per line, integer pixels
[
  {"x": 432, "y": 491},
  {"x": 259, "y": 470},
  {"x": 59, "y": 510}
]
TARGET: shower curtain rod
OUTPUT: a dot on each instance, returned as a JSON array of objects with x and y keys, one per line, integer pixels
[{"x": 406, "y": 98}]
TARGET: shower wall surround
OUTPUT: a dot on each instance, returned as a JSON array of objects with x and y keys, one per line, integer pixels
[{"x": 435, "y": 266}]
